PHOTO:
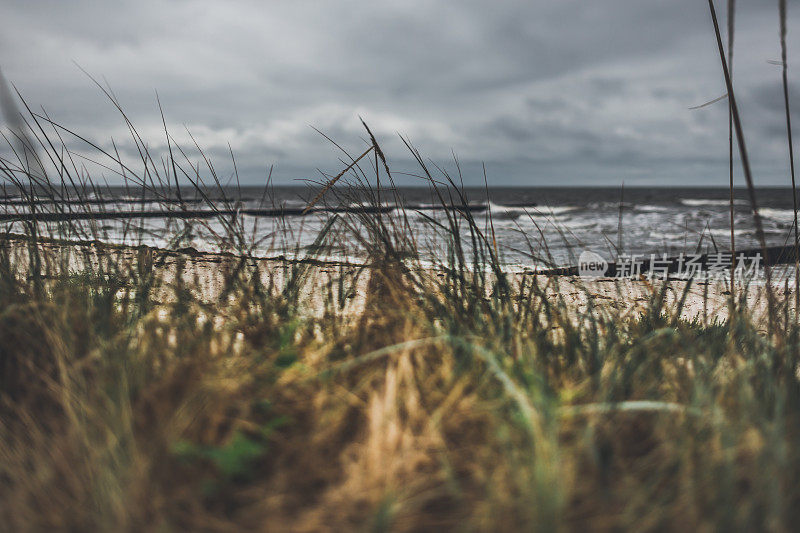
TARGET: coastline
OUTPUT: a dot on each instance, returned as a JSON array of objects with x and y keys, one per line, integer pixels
[{"x": 707, "y": 301}]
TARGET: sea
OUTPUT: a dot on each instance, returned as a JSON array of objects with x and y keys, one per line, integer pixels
[{"x": 528, "y": 227}]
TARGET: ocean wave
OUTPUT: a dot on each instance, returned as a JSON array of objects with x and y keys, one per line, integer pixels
[
  {"x": 698, "y": 202},
  {"x": 506, "y": 212},
  {"x": 556, "y": 209},
  {"x": 653, "y": 208},
  {"x": 661, "y": 236},
  {"x": 778, "y": 215}
]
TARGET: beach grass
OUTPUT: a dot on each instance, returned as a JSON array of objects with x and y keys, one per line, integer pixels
[
  {"x": 131, "y": 398},
  {"x": 166, "y": 389}
]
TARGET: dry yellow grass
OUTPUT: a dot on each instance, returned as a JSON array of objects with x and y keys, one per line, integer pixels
[{"x": 196, "y": 395}]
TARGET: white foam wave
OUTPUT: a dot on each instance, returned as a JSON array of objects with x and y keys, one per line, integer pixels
[
  {"x": 506, "y": 212},
  {"x": 779, "y": 215},
  {"x": 652, "y": 208},
  {"x": 698, "y": 202},
  {"x": 555, "y": 210}
]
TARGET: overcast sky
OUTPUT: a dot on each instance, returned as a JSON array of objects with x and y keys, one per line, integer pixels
[{"x": 544, "y": 92}]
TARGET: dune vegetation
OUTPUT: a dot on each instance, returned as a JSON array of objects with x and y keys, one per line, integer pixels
[{"x": 390, "y": 393}]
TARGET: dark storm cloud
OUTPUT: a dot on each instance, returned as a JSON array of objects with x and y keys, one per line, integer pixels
[{"x": 544, "y": 92}]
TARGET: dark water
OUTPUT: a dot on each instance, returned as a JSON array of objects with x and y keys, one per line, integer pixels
[{"x": 533, "y": 226}]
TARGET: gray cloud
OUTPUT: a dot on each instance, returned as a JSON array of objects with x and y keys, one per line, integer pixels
[{"x": 544, "y": 92}]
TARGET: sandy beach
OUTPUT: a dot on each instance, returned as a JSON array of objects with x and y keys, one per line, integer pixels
[{"x": 205, "y": 273}]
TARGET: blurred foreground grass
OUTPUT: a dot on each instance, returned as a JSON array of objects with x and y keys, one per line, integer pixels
[{"x": 403, "y": 401}]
